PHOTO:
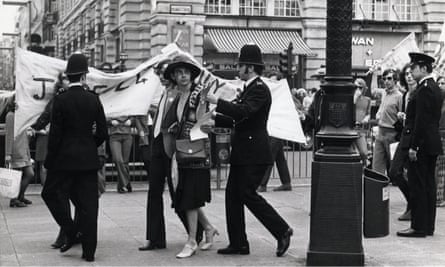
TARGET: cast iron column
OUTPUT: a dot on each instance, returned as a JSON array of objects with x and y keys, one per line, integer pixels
[{"x": 336, "y": 192}]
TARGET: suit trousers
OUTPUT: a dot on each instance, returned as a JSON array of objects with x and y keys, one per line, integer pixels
[
  {"x": 160, "y": 170},
  {"x": 398, "y": 164},
  {"x": 280, "y": 160},
  {"x": 82, "y": 188},
  {"x": 120, "y": 148},
  {"x": 241, "y": 191},
  {"x": 422, "y": 187}
]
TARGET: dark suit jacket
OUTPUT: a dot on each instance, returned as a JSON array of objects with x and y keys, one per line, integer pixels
[
  {"x": 169, "y": 117},
  {"x": 72, "y": 145},
  {"x": 421, "y": 130},
  {"x": 250, "y": 141}
]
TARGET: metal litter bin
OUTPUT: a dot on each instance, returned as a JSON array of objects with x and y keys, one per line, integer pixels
[
  {"x": 376, "y": 204},
  {"x": 221, "y": 151}
]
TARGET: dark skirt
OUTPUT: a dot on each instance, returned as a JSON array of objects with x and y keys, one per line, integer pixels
[{"x": 193, "y": 189}]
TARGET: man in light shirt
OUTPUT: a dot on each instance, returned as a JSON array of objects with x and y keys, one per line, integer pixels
[{"x": 386, "y": 117}]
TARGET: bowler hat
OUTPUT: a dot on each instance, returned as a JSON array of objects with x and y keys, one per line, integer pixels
[
  {"x": 77, "y": 64},
  {"x": 251, "y": 54},
  {"x": 181, "y": 62},
  {"x": 421, "y": 58}
]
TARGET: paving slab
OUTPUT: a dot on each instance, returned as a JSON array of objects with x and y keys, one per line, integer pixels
[{"x": 26, "y": 234}]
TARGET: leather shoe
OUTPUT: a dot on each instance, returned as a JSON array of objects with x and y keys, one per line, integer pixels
[
  {"x": 244, "y": 250},
  {"x": 66, "y": 246},
  {"x": 26, "y": 201},
  {"x": 262, "y": 188},
  {"x": 406, "y": 216},
  {"x": 411, "y": 233},
  {"x": 151, "y": 246},
  {"x": 70, "y": 241},
  {"x": 284, "y": 242},
  {"x": 87, "y": 258},
  {"x": 284, "y": 187},
  {"x": 60, "y": 240},
  {"x": 129, "y": 188},
  {"x": 121, "y": 191}
]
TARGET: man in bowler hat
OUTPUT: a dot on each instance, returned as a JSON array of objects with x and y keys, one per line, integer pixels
[
  {"x": 72, "y": 157},
  {"x": 422, "y": 124},
  {"x": 251, "y": 155}
]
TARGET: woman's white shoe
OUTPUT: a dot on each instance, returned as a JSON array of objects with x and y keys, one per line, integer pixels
[
  {"x": 209, "y": 239},
  {"x": 187, "y": 251}
]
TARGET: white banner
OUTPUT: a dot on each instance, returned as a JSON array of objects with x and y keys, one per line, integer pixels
[
  {"x": 398, "y": 56},
  {"x": 132, "y": 92}
]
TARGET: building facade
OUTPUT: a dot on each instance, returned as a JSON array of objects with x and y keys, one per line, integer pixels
[{"x": 110, "y": 31}]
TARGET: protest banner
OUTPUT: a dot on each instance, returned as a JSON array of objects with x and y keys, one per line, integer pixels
[
  {"x": 398, "y": 56},
  {"x": 132, "y": 92}
]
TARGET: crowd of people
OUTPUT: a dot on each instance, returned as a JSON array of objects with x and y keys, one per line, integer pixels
[{"x": 72, "y": 129}]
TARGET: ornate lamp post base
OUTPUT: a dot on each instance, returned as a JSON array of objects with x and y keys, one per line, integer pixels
[{"x": 336, "y": 192}]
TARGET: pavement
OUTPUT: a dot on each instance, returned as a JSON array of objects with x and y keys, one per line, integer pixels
[{"x": 26, "y": 234}]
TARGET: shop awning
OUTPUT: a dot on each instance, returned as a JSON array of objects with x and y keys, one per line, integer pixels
[{"x": 230, "y": 40}]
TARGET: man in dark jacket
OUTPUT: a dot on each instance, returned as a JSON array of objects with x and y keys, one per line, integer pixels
[
  {"x": 77, "y": 128},
  {"x": 422, "y": 123},
  {"x": 251, "y": 155}
]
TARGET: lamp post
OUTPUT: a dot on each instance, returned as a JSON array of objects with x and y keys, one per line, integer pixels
[
  {"x": 336, "y": 191},
  {"x": 22, "y": 3}
]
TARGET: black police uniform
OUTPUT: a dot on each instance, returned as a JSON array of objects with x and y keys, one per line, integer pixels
[
  {"x": 250, "y": 156},
  {"x": 422, "y": 124},
  {"x": 73, "y": 159}
]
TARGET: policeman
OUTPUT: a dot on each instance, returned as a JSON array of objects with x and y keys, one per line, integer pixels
[
  {"x": 72, "y": 156},
  {"x": 251, "y": 154},
  {"x": 422, "y": 124}
]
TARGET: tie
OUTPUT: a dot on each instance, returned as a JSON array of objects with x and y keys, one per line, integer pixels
[{"x": 160, "y": 114}]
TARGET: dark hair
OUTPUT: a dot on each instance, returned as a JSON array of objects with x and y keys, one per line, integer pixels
[
  {"x": 59, "y": 83},
  {"x": 393, "y": 72},
  {"x": 258, "y": 69},
  {"x": 277, "y": 74},
  {"x": 402, "y": 75},
  {"x": 75, "y": 78},
  {"x": 158, "y": 67},
  {"x": 429, "y": 67}
]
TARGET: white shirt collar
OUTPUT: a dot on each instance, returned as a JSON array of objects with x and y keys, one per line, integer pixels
[
  {"x": 248, "y": 82},
  {"x": 75, "y": 84}
]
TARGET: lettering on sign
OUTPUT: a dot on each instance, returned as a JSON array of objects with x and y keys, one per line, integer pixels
[
  {"x": 364, "y": 41},
  {"x": 181, "y": 9}
]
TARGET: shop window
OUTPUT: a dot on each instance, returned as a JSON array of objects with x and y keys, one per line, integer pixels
[
  {"x": 287, "y": 8},
  {"x": 252, "y": 7},
  {"x": 218, "y": 7},
  {"x": 393, "y": 10}
]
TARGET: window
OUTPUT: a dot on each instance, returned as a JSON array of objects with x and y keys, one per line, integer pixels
[
  {"x": 287, "y": 8},
  {"x": 395, "y": 10},
  {"x": 252, "y": 7},
  {"x": 406, "y": 10},
  {"x": 218, "y": 7}
]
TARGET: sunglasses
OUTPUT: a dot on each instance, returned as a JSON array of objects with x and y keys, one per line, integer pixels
[{"x": 387, "y": 78}]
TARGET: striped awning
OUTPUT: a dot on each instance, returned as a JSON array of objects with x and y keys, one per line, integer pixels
[{"x": 230, "y": 40}]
